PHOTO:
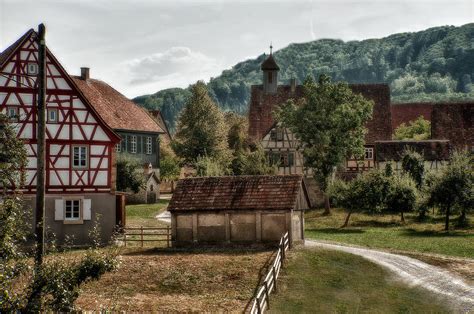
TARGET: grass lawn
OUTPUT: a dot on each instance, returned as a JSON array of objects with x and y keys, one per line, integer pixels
[
  {"x": 322, "y": 281},
  {"x": 389, "y": 233},
  {"x": 153, "y": 280},
  {"x": 144, "y": 214}
]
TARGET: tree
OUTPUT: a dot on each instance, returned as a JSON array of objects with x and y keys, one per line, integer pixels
[
  {"x": 170, "y": 168},
  {"x": 253, "y": 163},
  {"x": 210, "y": 167},
  {"x": 402, "y": 195},
  {"x": 419, "y": 129},
  {"x": 453, "y": 187},
  {"x": 413, "y": 164},
  {"x": 201, "y": 129},
  {"x": 237, "y": 135},
  {"x": 129, "y": 174},
  {"x": 330, "y": 123}
]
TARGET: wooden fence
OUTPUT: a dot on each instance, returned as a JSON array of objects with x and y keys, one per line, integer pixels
[
  {"x": 147, "y": 234},
  {"x": 261, "y": 300}
]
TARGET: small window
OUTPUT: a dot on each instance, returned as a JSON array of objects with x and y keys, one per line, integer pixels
[
  {"x": 148, "y": 145},
  {"x": 279, "y": 134},
  {"x": 270, "y": 77},
  {"x": 12, "y": 113},
  {"x": 72, "y": 210},
  {"x": 52, "y": 115},
  {"x": 133, "y": 143},
  {"x": 79, "y": 156},
  {"x": 118, "y": 147},
  {"x": 369, "y": 153}
]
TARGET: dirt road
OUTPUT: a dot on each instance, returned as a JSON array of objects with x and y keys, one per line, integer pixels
[{"x": 415, "y": 273}]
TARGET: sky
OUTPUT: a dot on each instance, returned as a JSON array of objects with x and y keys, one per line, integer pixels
[{"x": 143, "y": 46}]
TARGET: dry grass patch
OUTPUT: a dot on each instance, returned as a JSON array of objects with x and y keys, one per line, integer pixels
[{"x": 166, "y": 280}]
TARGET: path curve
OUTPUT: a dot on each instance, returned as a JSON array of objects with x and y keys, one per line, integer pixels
[{"x": 414, "y": 272}]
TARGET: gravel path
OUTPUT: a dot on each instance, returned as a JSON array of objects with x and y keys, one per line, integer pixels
[
  {"x": 416, "y": 273},
  {"x": 164, "y": 217}
]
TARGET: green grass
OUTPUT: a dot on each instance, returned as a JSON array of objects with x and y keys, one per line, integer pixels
[
  {"x": 322, "y": 281},
  {"x": 388, "y": 232},
  {"x": 144, "y": 214}
]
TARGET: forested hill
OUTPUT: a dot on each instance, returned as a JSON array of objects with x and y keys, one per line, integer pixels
[{"x": 430, "y": 65}]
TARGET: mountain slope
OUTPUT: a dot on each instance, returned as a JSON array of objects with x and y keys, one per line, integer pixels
[{"x": 430, "y": 65}]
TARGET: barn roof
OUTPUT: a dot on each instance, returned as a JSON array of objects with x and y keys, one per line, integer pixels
[
  {"x": 277, "y": 192},
  {"x": 119, "y": 112}
]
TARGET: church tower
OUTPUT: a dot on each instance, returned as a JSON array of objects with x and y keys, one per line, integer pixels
[{"x": 270, "y": 74}]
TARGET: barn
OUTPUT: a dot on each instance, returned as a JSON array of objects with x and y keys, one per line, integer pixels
[{"x": 238, "y": 209}]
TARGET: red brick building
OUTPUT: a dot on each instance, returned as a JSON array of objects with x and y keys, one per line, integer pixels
[{"x": 406, "y": 112}]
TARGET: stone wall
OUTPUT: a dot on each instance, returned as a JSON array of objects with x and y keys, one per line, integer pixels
[
  {"x": 454, "y": 122},
  {"x": 406, "y": 112}
]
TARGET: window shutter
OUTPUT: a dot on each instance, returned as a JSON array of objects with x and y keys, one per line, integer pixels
[
  {"x": 59, "y": 209},
  {"x": 86, "y": 209}
]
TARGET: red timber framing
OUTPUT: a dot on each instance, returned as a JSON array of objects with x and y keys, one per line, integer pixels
[{"x": 76, "y": 123}]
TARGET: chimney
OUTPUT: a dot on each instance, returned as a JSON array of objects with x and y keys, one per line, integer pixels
[
  {"x": 293, "y": 85},
  {"x": 85, "y": 74}
]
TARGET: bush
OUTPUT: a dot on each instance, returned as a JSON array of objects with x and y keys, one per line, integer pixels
[
  {"x": 129, "y": 175},
  {"x": 402, "y": 195}
]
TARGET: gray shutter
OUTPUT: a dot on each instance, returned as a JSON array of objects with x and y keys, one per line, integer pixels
[
  {"x": 59, "y": 209},
  {"x": 86, "y": 209}
]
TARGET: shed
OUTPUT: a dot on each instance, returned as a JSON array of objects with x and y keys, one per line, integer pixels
[{"x": 238, "y": 209}]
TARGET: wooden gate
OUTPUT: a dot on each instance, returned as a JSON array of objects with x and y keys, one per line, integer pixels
[{"x": 147, "y": 235}]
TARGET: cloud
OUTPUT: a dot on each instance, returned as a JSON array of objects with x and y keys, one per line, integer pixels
[{"x": 174, "y": 62}]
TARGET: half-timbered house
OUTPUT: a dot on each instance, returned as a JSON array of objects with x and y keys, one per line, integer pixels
[{"x": 80, "y": 170}]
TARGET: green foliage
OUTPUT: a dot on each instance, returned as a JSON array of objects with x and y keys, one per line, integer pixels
[
  {"x": 12, "y": 156},
  {"x": 402, "y": 195},
  {"x": 211, "y": 167},
  {"x": 419, "y": 129},
  {"x": 330, "y": 123},
  {"x": 413, "y": 164},
  {"x": 431, "y": 65},
  {"x": 452, "y": 188},
  {"x": 201, "y": 128},
  {"x": 129, "y": 174},
  {"x": 237, "y": 134},
  {"x": 253, "y": 163},
  {"x": 170, "y": 168}
]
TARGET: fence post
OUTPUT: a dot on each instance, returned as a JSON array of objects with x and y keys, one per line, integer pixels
[
  {"x": 282, "y": 248},
  {"x": 125, "y": 237},
  {"x": 141, "y": 234},
  {"x": 259, "y": 308},
  {"x": 267, "y": 294},
  {"x": 274, "y": 278}
]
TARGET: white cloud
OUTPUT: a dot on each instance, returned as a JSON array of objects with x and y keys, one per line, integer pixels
[{"x": 172, "y": 64}]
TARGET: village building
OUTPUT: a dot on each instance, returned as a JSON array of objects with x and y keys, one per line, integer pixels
[
  {"x": 138, "y": 130},
  {"x": 80, "y": 145},
  {"x": 281, "y": 145},
  {"x": 238, "y": 209}
]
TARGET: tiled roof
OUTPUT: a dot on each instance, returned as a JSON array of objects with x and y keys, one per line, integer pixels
[
  {"x": 270, "y": 64},
  {"x": 161, "y": 122},
  {"x": 429, "y": 149},
  {"x": 5, "y": 54},
  {"x": 119, "y": 112},
  {"x": 278, "y": 192}
]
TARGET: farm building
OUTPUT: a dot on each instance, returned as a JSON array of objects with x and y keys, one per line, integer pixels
[{"x": 238, "y": 209}]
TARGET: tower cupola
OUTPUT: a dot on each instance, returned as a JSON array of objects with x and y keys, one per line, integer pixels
[{"x": 270, "y": 74}]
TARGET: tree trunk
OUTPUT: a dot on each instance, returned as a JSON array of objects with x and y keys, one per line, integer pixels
[
  {"x": 403, "y": 218},
  {"x": 327, "y": 206},
  {"x": 446, "y": 223},
  {"x": 346, "y": 221}
]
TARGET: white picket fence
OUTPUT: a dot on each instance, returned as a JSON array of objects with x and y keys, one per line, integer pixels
[{"x": 261, "y": 300}]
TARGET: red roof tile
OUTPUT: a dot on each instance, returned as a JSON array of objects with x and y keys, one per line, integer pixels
[
  {"x": 119, "y": 112},
  {"x": 278, "y": 192}
]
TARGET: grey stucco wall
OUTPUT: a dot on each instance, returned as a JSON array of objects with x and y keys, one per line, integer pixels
[
  {"x": 102, "y": 205},
  {"x": 247, "y": 226}
]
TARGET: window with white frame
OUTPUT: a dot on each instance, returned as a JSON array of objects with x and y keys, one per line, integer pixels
[
  {"x": 369, "y": 153},
  {"x": 118, "y": 147},
  {"x": 12, "y": 113},
  {"x": 52, "y": 115},
  {"x": 133, "y": 143},
  {"x": 72, "y": 210},
  {"x": 148, "y": 145},
  {"x": 79, "y": 159}
]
